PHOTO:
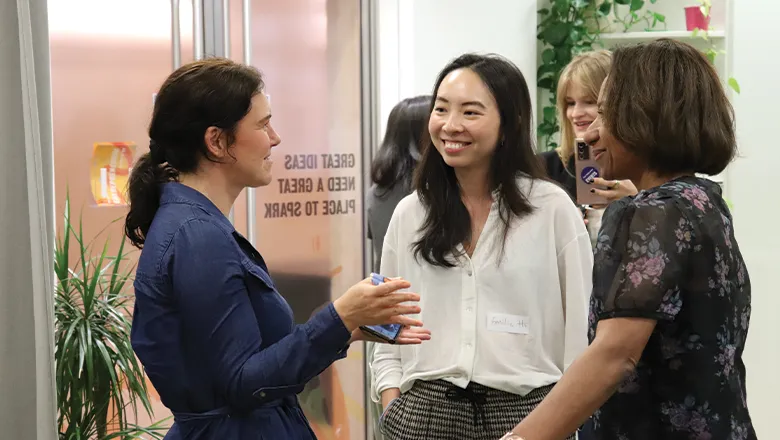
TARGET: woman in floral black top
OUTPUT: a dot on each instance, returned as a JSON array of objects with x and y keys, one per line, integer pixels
[
  {"x": 669, "y": 255},
  {"x": 671, "y": 294}
]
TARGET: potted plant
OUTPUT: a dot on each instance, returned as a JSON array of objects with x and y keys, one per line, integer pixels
[
  {"x": 564, "y": 31},
  {"x": 701, "y": 28},
  {"x": 568, "y": 27},
  {"x": 627, "y": 15},
  {"x": 99, "y": 380},
  {"x": 698, "y": 17}
]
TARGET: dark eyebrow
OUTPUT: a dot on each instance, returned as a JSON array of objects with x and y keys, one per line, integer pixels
[
  {"x": 265, "y": 119},
  {"x": 474, "y": 103}
]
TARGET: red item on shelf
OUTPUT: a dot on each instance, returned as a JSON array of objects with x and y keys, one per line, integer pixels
[{"x": 695, "y": 19}]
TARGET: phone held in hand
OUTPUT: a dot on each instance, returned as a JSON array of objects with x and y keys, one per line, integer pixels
[
  {"x": 386, "y": 332},
  {"x": 586, "y": 170}
]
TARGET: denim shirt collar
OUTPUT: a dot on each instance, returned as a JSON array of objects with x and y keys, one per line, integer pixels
[{"x": 175, "y": 192}]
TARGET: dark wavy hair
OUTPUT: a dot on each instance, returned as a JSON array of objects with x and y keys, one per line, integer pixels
[
  {"x": 447, "y": 222},
  {"x": 215, "y": 92},
  {"x": 400, "y": 150}
]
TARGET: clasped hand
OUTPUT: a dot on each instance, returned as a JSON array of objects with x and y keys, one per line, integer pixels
[{"x": 613, "y": 189}]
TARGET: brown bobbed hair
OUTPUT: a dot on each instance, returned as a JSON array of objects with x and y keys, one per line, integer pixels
[{"x": 664, "y": 101}]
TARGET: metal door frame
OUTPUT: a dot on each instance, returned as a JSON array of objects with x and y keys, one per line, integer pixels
[
  {"x": 211, "y": 34},
  {"x": 369, "y": 115}
]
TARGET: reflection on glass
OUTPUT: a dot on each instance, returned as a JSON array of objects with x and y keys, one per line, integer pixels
[
  {"x": 109, "y": 171},
  {"x": 308, "y": 222}
]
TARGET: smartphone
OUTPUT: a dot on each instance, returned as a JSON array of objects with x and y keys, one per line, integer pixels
[
  {"x": 586, "y": 169},
  {"x": 386, "y": 332}
]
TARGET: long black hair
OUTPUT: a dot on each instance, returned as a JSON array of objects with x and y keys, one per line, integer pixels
[
  {"x": 400, "y": 150},
  {"x": 447, "y": 221},
  {"x": 215, "y": 92}
]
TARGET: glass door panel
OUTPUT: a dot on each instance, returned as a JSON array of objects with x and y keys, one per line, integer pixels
[
  {"x": 108, "y": 58},
  {"x": 308, "y": 222}
]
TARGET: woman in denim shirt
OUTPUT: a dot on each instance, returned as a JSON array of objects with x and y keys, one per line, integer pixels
[{"x": 215, "y": 337}]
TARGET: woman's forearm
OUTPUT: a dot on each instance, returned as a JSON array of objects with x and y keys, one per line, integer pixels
[
  {"x": 389, "y": 395},
  {"x": 587, "y": 384}
]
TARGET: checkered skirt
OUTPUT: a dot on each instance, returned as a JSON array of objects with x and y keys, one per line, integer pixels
[{"x": 438, "y": 410}]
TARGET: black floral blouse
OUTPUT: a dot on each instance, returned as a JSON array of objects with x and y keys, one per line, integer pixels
[{"x": 669, "y": 254}]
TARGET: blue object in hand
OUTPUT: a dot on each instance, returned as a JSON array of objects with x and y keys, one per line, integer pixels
[{"x": 386, "y": 332}]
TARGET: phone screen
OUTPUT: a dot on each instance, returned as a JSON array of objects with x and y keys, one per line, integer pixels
[{"x": 388, "y": 332}]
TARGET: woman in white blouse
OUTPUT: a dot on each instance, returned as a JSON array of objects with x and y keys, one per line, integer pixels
[{"x": 500, "y": 257}]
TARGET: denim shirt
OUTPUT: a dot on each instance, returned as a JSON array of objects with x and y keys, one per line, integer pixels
[{"x": 216, "y": 339}]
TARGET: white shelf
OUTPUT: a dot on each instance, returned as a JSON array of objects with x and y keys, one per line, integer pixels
[{"x": 652, "y": 35}]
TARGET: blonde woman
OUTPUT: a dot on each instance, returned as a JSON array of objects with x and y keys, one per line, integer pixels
[{"x": 578, "y": 90}]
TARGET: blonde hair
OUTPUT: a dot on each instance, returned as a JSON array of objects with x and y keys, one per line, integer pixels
[{"x": 587, "y": 70}]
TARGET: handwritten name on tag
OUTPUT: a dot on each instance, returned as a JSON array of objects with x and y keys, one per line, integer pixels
[{"x": 500, "y": 322}]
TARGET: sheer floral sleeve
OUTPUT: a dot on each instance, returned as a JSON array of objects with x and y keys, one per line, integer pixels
[
  {"x": 669, "y": 254},
  {"x": 641, "y": 261}
]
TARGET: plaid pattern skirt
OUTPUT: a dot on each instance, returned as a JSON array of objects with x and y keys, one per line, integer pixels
[{"x": 438, "y": 410}]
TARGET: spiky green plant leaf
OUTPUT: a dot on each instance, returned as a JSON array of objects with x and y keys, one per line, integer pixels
[{"x": 99, "y": 380}]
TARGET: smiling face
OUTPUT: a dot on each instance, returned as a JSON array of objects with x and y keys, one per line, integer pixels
[
  {"x": 465, "y": 122},
  {"x": 581, "y": 108},
  {"x": 614, "y": 159},
  {"x": 254, "y": 139}
]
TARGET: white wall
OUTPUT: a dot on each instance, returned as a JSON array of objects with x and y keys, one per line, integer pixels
[
  {"x": 417, "y": 38},
  {"x": 753, "y": 187}
]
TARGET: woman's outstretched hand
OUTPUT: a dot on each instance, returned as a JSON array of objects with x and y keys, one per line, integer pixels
[
  {"x": 408, "y": 336},
  {"x": 367, "y": 304}
]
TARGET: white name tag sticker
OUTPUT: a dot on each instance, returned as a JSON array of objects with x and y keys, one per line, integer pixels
[{"x": 501, "y": 322}]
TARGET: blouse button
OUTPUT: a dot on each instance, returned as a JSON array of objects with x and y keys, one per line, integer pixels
[{"x": 468, "y": 272}]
